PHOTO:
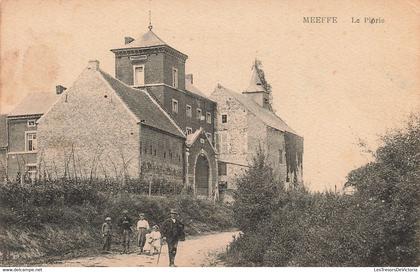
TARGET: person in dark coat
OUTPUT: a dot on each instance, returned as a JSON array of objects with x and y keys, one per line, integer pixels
[
  {"x": 172, "y": 231},
  {"x": 125, "y": 224},
  {"x": 107, "y": 234}
]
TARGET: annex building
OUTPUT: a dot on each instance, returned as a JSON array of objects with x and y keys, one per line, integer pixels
[{"x": 148, "y": 121}]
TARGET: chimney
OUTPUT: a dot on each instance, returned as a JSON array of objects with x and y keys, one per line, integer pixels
[
  {"x": 128, "y": 40},
  {"x": 93, "y": 65},
  {"x": 189, "y": 78},
  {"x": 59, "y": 89}
]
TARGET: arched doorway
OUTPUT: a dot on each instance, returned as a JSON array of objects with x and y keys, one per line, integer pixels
[{"x": 202, "y": 175}]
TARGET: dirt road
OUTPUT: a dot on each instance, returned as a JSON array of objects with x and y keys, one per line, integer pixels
[{"x": 195, "y": 251}]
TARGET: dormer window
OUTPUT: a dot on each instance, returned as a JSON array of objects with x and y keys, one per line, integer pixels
[
  {"x": 138, "y": 75},
  {"x": 174, "y": 77}
]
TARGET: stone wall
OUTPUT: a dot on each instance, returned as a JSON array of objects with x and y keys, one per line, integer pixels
[
  {"x": 153, "y": 68},
  {"x": 162, "y": 155},
  {"x": 234, "y": 132},
  {"x": 170, "y": 62},
  {"x": 276, "y": 153},
  {"x": 89, "y": 132},
  {"x": 19, "y": 158},
  {"x": 257, "y": 136}
]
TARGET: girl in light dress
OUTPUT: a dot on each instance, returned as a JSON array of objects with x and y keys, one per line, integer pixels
[{"x": 153, "y": 241}]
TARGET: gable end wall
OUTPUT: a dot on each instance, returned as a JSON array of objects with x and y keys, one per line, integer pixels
[{"x": 89, "y": 132}]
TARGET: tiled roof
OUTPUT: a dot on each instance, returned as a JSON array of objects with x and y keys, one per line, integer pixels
[
  {"x": 143, "y": 106},
  {"x": 268, "y": 117},
  {"x": 34, "y": 103},
  {"x": 3, "y": 130},
  {"x": 146, "y": 40},
  {"x": 191, "y": 88},
  {"x": 191, "y": 138}
]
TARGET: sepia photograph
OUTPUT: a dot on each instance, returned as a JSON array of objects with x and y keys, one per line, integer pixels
[{"x": 209, "y": 133}]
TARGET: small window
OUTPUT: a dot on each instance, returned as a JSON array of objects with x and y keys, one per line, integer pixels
[
  {"x": 222, "y": 167},
  {"x": 138, "y": 77},
  {"x": 175, "y": 77},
  {"x": 188, "y": 130},
  {"x": 174, "y": 105},
  {"x": 208, "y": 117},
  {"x": 224, "y": 118},
  {"x": 31, "y": 143},
  {"x": 189, "y": 111},
  {"x": 31, "y": 123},
  {"x": 198, "y": 114},
  {"x": 151, "y": 150}
]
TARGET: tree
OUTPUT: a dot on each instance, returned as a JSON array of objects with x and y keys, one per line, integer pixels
[
  {"x": 255, "y": 197},
  {"x": 390, "y": 185}
]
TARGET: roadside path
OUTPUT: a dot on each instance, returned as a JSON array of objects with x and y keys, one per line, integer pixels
[{"x": 195, "y": 251}]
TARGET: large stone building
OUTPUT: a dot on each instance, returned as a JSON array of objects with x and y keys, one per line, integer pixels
[
  {"x": 149, "y": 121},
  {"x": 246, "y": 125}
]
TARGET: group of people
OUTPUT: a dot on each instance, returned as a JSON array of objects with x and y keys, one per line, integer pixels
[{"x": 149, "y": 240}]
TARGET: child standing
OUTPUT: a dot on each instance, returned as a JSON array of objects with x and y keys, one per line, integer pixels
[{"x": 154, "y": 240}]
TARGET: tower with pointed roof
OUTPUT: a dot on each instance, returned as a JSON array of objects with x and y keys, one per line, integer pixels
[
  {"x": 247, "y": 124},
  {"x": 150, "y": 64},
  {"x": 149, "y": 61},
  {"x": 259, "y": 90}
]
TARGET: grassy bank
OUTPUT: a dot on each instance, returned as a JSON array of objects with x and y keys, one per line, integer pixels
[{"x": 64, "y": 218}]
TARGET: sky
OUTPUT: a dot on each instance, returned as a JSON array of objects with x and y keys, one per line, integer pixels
[{"x": 332, "y": 83}]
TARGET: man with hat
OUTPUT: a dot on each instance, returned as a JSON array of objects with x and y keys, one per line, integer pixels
[
  {"x": 125, "y": 225},
  {"x": 107, "y": 234},
  {"x": 142, "y": 229},
  {"x": 172, "y": 231}
]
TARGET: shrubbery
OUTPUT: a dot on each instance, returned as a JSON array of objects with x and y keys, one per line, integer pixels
[
  {"x": 55, "y": 218},
  {"x": 376, "y": 226}
]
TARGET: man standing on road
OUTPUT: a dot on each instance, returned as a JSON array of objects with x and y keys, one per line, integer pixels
[
  {"x": 142, "y": 229},
  {"x": 125, "y": 225},
  {"x": 172, "y": 232}
]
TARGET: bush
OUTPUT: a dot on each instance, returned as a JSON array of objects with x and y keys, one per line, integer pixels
[
  {"x": 256, "y": 195},
  {"x": 377, "y": 226},
  {"x": 53, "y": 218}
]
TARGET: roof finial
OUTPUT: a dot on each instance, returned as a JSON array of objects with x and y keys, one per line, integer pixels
[{"x": 150, "y": 16}]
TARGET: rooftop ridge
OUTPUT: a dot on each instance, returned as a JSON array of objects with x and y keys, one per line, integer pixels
[
  {"x": 107, "y": 77},
  {"x": 265, "y": 115}
]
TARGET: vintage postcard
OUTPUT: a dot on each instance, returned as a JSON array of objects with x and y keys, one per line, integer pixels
[{"x": 209, "y": 133}]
